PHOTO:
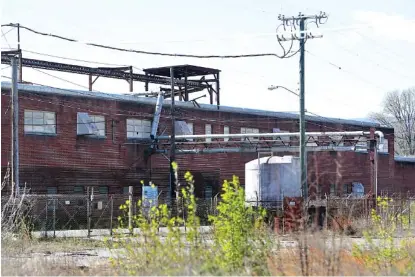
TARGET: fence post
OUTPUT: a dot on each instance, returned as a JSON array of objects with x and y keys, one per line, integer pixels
[
  {"x": 130, "y": 209},
  {"x": 89, "y": 208},
  {"x": 111, "y": 213},
  {"x": 46, "y": 218},
  {"x": 54, "y": 217}
]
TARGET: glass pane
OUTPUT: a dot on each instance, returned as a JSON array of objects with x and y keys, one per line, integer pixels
[
  {"x": 100, "y": 126},
  {"x": 28, "y": 120},
  {"x": 49, "y": 129},
  {"x": 101, "y": 133},
  {"x": 39, "y": 129},
  {"x": 38, "y": 121},
  {"x": 50, "y": 116},
  {"x": 147, "y": 123},
  {"x": 28, "y": 128},
  {"x": 38, "y": 115},
  {"x": 52, "y": 190},
  {"x": 103, "y": 190},
  {"x": 130, "y": 128}
]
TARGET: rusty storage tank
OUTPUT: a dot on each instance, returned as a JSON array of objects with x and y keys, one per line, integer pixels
[{"x": 269, "y": 179}]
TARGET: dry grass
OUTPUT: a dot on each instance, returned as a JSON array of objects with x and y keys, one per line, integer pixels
[{"x": 53, "y": 257}]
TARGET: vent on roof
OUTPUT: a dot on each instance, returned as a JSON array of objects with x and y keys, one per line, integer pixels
[
  {"x": 86, "y": 125},
  {"x": 182, "y": 128}
]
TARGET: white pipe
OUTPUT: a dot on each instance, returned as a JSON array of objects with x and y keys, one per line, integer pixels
[
  {"x": 157, "y": 113},
  {"x": 255, "y": 135},
  {"x": 254, "y": 150}
]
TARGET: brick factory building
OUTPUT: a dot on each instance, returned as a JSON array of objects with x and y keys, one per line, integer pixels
[{"x": 54, "y": 158}]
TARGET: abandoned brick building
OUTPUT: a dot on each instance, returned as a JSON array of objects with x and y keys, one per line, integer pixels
[{"x": 55, "y": 158}]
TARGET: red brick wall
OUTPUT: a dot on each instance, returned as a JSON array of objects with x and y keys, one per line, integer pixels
[{"x": 66, "y": 159}]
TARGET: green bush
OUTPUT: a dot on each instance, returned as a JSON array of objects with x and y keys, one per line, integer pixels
[
  {"x": 382, "y": 252},
  {"x": 237, "y": 243}
]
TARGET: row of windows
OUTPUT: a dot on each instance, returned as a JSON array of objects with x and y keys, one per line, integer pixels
[
  {"x": 42, "y": 122},
  {"x": 81, "y": 190}
]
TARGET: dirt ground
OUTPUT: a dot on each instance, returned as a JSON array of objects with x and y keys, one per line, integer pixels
[{"x": 86, "y": 257}]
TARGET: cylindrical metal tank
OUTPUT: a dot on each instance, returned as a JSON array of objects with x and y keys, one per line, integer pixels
[{"x": 272, "y": 178}]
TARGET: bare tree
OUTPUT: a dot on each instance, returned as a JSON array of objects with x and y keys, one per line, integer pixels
[{"x": 399, "y": 113}]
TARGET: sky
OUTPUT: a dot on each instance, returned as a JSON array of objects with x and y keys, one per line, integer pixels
[{"x": 366, "y": 49}]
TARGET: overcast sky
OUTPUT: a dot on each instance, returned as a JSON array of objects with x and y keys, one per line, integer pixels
[{"x": 367, "y": 47}]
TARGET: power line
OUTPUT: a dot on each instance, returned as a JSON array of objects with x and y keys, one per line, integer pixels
[
  {"x": 370, "y": 60},
  {"x": 148, "y": 52},
  {"x": 77, "y": 60},
  {"x": 5, "y": 38},
  {"x": 4, "y": 34},
  {"x": 344, "y": 70}
]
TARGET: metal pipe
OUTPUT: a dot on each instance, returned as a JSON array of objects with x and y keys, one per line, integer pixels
[
  {"x": 255, "y": 135},
  {"x": 255, "y": 150},
  {"x": 157, "y": 113},
  {"x": 15, "y": 126}
]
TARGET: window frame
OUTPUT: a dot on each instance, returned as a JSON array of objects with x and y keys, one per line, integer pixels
[
  {"x": 226, "y": 127},
  {"x": 103, "y": 187},
  {"x": 191, "y": 128},
  {"x": 249, "y": 130},
  {"x": 332, "y": 189},
  {"x": 136, "y": 126},
  {"x": 208, "y": 131},
  {"x": 93, "y": 118},
  {"x": 75, "y": 191},
  {"x": 44, "y": 125}
]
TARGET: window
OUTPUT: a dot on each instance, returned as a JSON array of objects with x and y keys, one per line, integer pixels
[
  {"x": 383, "y": 148},
  {"x": 208, "y": 131},
  {"x": 39, "y": 122},
  {"x": 137, "y": 128},
  {"x": 99, "y": 122},
  {"x": 103, "y": 190},
  {"x": 52, "y": 190},
  {"x": 78, "y": 190},
  {"x": 125, "y": 190},
  {"x": 226, "y": 132},
  {"x": 347, "y": 188},
  {"x": 250, "y": 131},
  {"x": 190, "y": 125},
  {"x": 208, "y": 191},
  {"x": 284, "y": 139},
  {"x": 332, "y": 189}
]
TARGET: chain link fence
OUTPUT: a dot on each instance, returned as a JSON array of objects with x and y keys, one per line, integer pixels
[{"x": 94, "y": 215}]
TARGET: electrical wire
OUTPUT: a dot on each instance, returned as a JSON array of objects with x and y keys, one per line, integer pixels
[
  {"x": 4, "y": 34},
  {"x": 5, "y": 38},
  {"x": 147, "y": 52},
  {"x": 344, "y": 70},
  {"x": 371, "y": 61},
  {"x": 77, "y": 60}
]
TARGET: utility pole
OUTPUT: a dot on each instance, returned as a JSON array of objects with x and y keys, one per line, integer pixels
[
  {"x": 15, "y": 127},
  {"x": 173, "y": 139},
  {"x": 291, "y": 22}
]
